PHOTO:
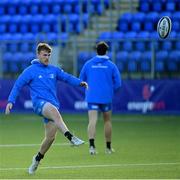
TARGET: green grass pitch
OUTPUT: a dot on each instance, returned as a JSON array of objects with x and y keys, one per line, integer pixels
[{"x": 146, "y": 147}]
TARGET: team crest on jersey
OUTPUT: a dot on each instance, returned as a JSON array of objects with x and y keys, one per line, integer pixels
[{"x": 51, "y": 76}]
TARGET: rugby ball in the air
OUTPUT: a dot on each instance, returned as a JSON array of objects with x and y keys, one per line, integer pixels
[{"x": 164, "y": 27}]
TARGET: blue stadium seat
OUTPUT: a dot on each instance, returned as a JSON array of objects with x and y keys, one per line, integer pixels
[
  {"x": 134, "y": 56},
  {"x": 130, "y": 35},
  {"x": 161, "y": 55},
  {"x": 34, "y": 9},
  {"x": 63, "y": 38},
  {"x": 97, "y": 6},
  {"x": 123, "y": 26},
  {"x": 176, "y": 26},
  {"x": 5, "y": 19},
  {"x": 105, "y": 36},
  {"x": 85, "y": 20},
  {"x": 148, "y": 26},
  {"x": 6, "y": 37},
  {"x": 25, "y": 23},
  {"x": 46, "y": 28},
  {"x": 136, "y": 26},
  {"x": 139, "y": 16},
  {"x": 24, "y": 47},
  {"x": 124, "y": 21},
  {"x": 56, "y": 9},
  {"x": 170, "y": 6},
  {"x": 121, "y": 60},
  {"x": 145, "y": 66},
  {"x": 141, "y": 44},
  {"x": 122, "y": 56},
  {"x": 133, "y": 61},
  {"x": 127, "y": 17},
  {"x": 157, "y": 6},
  {"x": 83, "y": 57},
  {"x": 36, "y": 23},
  {"x": 165, "y": 13},
  {"x": 12, "y": 28},
  {"x": 15, "y": 62},
  {"x": 18, "y": 57},
  {"x": 74, "y": 21},
  {"x": 146, "y": 56},
  {"x": 174, "y": 56},
  {"x": 144, "y": 7},
  {"x": 167, "y": 45},
  {"x": 152, "y": 16},
  {"x": 67, "y": 9},
  {"x": 132, "y": 66},
  {"x": 11, "y": 9},
  {"x": 7, "y": 56},
  {"x": 143, "y": 34},
  {"x": 13, "y": 47},
  {"x": 172, "y": 66},
  {"x": 2, "y": 10},
  {"x": 22, "y": 9},
  {"x": 176, "y": 16},
  {"x": 173, "y": 61},
  {"x": 29, "y": 56},
  {"x": 28, "y": 37},
  {"x": 128, "y": 45},
  {"x": 173, "y": 34},
  {"x": 154, "y": 35},
  {"x": 3, "y": 28},
  {"x": 159, "y": 66},
  {"x": 45, "y": 9},
  {"x": 52, "y": 38},
  {"x": 177, "y": 45},
  {"x": 117, "y": 35}
]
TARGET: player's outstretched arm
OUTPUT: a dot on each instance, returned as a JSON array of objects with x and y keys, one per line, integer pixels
[
  {"x": 8, "y": 108},
  {"x": 84, "y": 84}
]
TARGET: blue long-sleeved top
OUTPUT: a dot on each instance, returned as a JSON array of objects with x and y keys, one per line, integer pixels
[
  {"x": 103, "y": 78},
  {"x": 42, "y": 81}
]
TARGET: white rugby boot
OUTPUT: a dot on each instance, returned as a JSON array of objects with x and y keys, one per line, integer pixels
[
  {"x": 76, "y": 141},
  {"x": 33, "y": 167},
  {"x": 92, "y": 150},
  {"x": 109, "y": 151}
]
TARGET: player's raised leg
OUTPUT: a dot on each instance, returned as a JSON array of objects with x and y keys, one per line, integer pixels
[{"x": 51, "y": 112}]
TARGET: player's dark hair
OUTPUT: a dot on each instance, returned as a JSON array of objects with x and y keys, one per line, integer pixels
[
  {"x": 43, "y": 47},
  {"x": 101, "y": 48}
]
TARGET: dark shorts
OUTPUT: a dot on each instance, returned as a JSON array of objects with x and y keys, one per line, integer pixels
[
  {"x": 38, "y": 107},
  {"x": 100, "y": 107}
]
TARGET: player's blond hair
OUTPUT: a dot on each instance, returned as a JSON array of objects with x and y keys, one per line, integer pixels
[{"x": 43, "y": 47}]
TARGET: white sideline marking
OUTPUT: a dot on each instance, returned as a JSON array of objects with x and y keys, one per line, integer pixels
[
  {"x": 94, "y": 166},
  {"x": 30, "y": 145}
]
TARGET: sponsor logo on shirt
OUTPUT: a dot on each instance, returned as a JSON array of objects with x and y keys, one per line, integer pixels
[
  {"x": 40, "y": 76},
  {"x": 99, "y": 65},
  {"x": 94, "y": 107}
]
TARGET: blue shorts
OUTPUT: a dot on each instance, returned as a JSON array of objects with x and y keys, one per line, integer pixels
[
  {"x": 100, "y": 107},
  {"x": 38, "y": 107}
]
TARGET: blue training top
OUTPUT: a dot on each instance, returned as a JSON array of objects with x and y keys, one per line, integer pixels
[
  {"x": 103, "y": 78},
  {"x": 42, "y": 81}
]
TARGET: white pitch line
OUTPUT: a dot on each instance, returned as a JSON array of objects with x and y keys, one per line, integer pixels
[
  {"x": 95, "y": 166},
  {"x": 30, "y": 145}
]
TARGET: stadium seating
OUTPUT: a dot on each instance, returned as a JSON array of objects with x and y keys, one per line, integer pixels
[
  {"x": 144, "y": 23},
  {"x": 35, "y": 20}
]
